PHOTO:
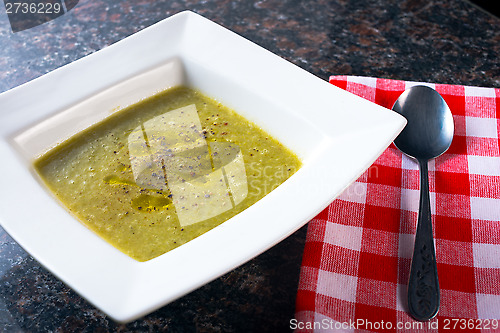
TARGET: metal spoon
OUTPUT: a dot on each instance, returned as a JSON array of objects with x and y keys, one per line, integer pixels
[{"x": 427, "y": 135}]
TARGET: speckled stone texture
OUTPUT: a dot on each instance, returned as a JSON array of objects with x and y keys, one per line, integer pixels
[{"x": 444, "y": 41}]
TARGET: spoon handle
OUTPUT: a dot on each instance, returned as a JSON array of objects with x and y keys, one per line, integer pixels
[{"x": 423, "y": 285}]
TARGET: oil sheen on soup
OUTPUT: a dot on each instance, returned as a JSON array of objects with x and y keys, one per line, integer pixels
[{"x": 164, "y": 171}]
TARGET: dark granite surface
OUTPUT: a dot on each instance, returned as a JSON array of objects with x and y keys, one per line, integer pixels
[{"x": 445, "y": 41}]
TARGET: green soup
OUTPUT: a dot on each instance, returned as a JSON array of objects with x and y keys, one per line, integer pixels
[{"x": 164, "y": 171}]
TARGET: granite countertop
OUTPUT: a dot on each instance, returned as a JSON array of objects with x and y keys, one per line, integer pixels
[{"x": 445, "y": 41}]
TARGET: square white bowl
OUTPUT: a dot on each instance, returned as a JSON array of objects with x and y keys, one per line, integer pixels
[{"x": 336, "y": 134}]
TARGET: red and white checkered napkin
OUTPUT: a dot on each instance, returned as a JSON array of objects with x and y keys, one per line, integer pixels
[{"x": 358, "y": 250}]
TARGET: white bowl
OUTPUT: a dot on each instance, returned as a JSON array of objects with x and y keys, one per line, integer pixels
[{"x": 336, "y": 134}]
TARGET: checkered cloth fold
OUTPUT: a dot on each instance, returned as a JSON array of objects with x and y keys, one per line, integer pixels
[{"x": 358, "y": 250}]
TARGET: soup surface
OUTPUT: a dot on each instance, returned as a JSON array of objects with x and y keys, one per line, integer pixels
[{"x": 163, "y": 171}]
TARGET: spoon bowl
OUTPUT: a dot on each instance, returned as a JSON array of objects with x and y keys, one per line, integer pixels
[
  {"x": 428, "y": 134},
  {"x": 430, "y": 128}
]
